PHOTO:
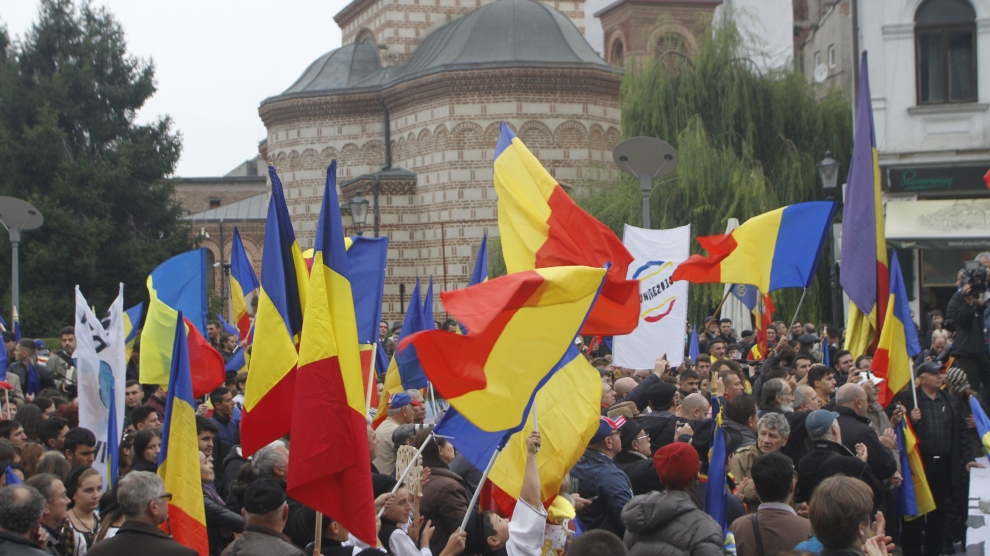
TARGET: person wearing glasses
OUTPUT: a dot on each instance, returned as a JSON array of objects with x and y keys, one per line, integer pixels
[
  {"x": 636, "y": 459},
  {"x": 601, "y": 481},
  {"x": 144, "y": 503}
]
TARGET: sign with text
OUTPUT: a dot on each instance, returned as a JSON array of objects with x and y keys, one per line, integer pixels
[{"x": 938, "y": 180}]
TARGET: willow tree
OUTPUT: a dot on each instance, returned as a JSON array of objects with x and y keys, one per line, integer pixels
[{"x": 748, "y": 143}]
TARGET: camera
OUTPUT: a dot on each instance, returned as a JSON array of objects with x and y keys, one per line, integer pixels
[{"x": 975, "y": 276}]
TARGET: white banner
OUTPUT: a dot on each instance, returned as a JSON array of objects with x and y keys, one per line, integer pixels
[
  {"x": 101, "y": 369},
  {"x": 663, "y": 305}
]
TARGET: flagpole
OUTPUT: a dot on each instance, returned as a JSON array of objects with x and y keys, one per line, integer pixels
[
  {"x": 477, "y": 491},
  {"x": 718, "y": 309},
  {"x": 318, "y": 536},
  {"x": 405, "y": 473},
  {"x": 793, "y": 320},
  {"x": 914, "y": 389},
  {"x": 372, "y": 383}
]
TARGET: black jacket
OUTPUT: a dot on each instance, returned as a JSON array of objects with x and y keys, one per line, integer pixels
[
  {"x": 660, "y": 425},
  {"x": 856, "y": 430},
  {"x": 641, "y": 472},
  {"x": 220, "y": 522},
  {"x": 231, "y": 466},
  {"x": 136, "y": 537},
  {"x": 15, "y": 545},
  {"x": 962, "y": 450},
  {"x": 967, "y": 340},
  {"x": 738, "y": 434},
  {"x": 828, "y": 458}
]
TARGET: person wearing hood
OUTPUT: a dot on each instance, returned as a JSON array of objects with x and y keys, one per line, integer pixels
[
  {"x": 636, "y": 460},
  {"x": 672, "y": 521}
]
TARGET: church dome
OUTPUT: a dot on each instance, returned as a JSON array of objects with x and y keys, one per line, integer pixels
[
  {"x": 504, "y": 34},
  {"x": 338, "y": 69}
]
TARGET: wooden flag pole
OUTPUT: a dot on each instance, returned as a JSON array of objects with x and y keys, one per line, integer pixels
[
  {"x": 914, "y": 389},
  {"x": 477, "y": 491},
  {"x": 318, "y": 537},
  {"x": 718, "y": 309},
  {"x": 405, "y": 472},
  {"x": 793, "y": 320}
]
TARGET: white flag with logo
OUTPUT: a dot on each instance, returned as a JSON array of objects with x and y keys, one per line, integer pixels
[
  {"x": 101, "y": 375},
  {"x": 663, "y": 304}
]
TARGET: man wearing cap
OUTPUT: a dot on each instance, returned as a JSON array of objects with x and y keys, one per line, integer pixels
[
  {"x": 945, "y": 452},
  {"x": 601, "y": 481},
  {"x": 851, "y": 403},
  {"x": 828, "y": 456},
  {"x": 265, "y": 513},
  {"x": 400, "y": 412}
]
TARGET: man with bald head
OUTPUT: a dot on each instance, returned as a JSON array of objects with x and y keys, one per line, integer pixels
[
  {"x": 623, "y": 386},
  {"x": 806, "y": 399},
  {"x": 694, "y": 407},
  {"x": 851, "y": 403}
]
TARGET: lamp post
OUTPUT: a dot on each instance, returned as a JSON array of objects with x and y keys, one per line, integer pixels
[
  {"x": 828, "y": 171},
  {"x": 646, "y": 158},
  {"x": 358, "y": 207},
  {"x": 17, "y": 215}
]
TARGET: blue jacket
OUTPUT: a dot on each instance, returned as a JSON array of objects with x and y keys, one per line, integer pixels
[
  {"x": 599, "y": 478},
  {"x": 230, "y": 436}
]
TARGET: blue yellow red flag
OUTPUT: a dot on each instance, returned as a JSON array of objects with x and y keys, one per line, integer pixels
[
  {"x": 865, "y": 272},
  {"x": 567, "y": 408},
  {"x": 132, "y": 322},
  {"x": 776, "y": 249},
  {"x": 243, "y": 282},
  {"x": 982, "y": 422},
  {"x": 237, "y": 362},
  {"x": 330, "y": 469},
  {"x": 716, "y": 496},
  {"x": 914, "y": 498},
  {"x": 278, "y": 323},
  {"x": 536, "y": 312},
  {"x": 409, "y": 368},
  {"x": 178, "y": 460},
  {"x": 541, "y": 226},
  {"x": 366, "y": 259},
  {"x": 898, "y": 343}
]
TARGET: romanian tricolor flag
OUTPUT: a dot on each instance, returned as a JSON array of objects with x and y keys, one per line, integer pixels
[
  {"x": 521, "y": 325},
  {"x": 914, "y": 498},
  {"x": 764, "y": 318},
  {"x": 272, "y": 382},
  {"x": 366, "y": 260},
  {"x": 243, "y": 281},
  {"x": 179, "y": 285},
  {"x": 541, "y": 226},
  {"x": 132, "y": 320},
  {"x": 330, "y": 470},
  {"x": 395, "y": 381},
  {"x": 777, "y": 249},
  {"x": 982, "y": 423},
  {"x": 178, "y": 460},
  {"x": 864, "y": 246},
  {"x": 898, "y": 343},
  {"x": 567, "y": 409}
]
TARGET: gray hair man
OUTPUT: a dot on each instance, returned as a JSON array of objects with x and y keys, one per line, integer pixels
[
  {"x": 144, "y": 503},
  {"x": 55, "y": 513},
  {"x": 773, "y": 430},
  {"x": 852, "y": 404},
  {"x": 805, "y": 399},
  {"x": 21, "y": 508}
]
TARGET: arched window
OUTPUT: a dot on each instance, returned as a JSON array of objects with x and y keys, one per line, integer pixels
[
  {"x": 618, "y": 53},
  {"x": 672, "y": 42},
  {"x": 945, "y": 39}
]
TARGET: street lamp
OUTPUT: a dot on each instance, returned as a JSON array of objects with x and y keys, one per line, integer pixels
[
  {"x": 646, "y": 158},
  {"x": 358, "y": 207},
  {"x": 17, "y": 215},
  {"x": 828, "y": 171}
]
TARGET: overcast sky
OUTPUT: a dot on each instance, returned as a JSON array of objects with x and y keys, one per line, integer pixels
[{"x": 215, "y": 61}]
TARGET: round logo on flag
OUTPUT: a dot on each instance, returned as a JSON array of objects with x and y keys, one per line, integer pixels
[{"x": 654, "y": 280}]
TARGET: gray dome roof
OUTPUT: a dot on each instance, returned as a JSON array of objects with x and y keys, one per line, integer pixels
[
  {"x": 338, "y": 69},
  {"x": 503, "y": 34}
]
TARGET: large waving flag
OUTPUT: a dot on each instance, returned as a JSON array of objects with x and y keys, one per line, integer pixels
[
  {"x": 178, "y": 461},
  {"x": 982, "y": 422},
  {"x": 567, "y": 410},
  {"x": 898, "y": 343},
  {"x": 541, "y": 226},
  {"x": 716, "y": 497},
  {"x": 416, "y": 320},
  {"x": 101, "y": 377},
  {"x": 864, "y": 246},
  {"x": 914, "y": 498},
  {"x": 366, "y": 261},
  {"x": 330, "y": 470},
  {"x": 243, "y": 281},
  {"x": 132, "y": 320},
  {"x": 179, "y": 285},
  {"x": 537, "y": 313},
  {"x": 777, "y": 249},
  {"x": 271, "y": 381}
]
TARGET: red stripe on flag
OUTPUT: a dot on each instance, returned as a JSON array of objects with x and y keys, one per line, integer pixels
[
  {"x": 883, "y": 298},
  {"x": 269, "y": 420},
  {"x": 699, "y": 269},
  {"x": 881, "y": 367},
  {"x": 186, "y": 530},
  {"x": 330, "y": 468},
  {"x": 205, "y": 363},
  {"x": 244, "y": 325}
]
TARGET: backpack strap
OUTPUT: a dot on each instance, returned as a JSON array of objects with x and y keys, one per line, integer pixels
[{"x": 756, "y": 535}]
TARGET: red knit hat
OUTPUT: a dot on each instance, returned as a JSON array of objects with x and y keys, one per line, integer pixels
[{"x": 677, "y": 465}]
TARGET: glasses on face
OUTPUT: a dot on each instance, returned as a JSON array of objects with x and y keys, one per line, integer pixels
[
  {"x": 641, "y": 438},
  {"x": 166, "y": 496}
]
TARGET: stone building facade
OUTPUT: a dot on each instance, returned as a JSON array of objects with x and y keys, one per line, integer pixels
[
  {"x": 415, "y": 133},
  {"x": 648, "y": 28}
]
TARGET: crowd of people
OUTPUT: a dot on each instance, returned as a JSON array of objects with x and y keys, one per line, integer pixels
[{"x": 812, "y": 459}]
